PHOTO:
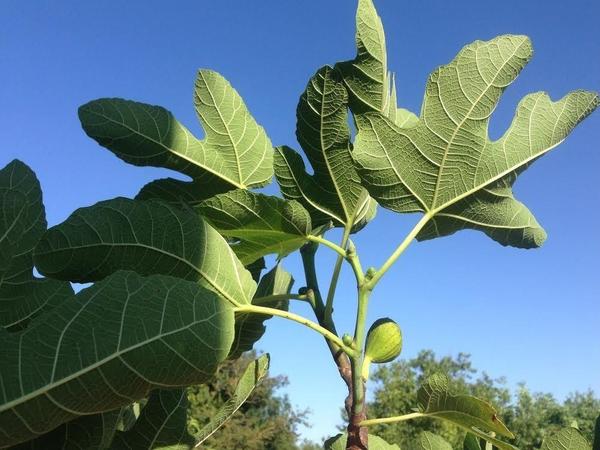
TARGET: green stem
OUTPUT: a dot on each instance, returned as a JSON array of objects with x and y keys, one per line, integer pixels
[
  {"x": 336, "y": 248},
  {"x": 296, "y": 318},
  {"x": 279, "y": 297},
  {"x": 358, "y": 391},
  {"x": 336, "y": 275},
  {"x": 399, "y": 250},
  {"x": 369, "y": 422}
]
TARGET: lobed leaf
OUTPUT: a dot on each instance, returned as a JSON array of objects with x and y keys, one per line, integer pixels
[
  {"x": 120, "y": 339},
  {"x": 251, "y": 378},
  {"x": 334, "y": 191},
  {"x": 435, "y": 400},
  {"x": 259, "y": 223},
  {"x": 162, "y": 424},
  {"x": 446, "y": 166},
  {"x": 235, "y": 153},
  {"x": 22, "y": 224},
  {"x": 147, "y": 237}
]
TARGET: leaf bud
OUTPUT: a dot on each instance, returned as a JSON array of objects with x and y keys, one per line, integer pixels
[{"x": 347, "y": 340}]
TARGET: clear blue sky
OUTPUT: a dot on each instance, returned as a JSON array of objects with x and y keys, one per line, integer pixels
[{"x": 533, "y": 316}]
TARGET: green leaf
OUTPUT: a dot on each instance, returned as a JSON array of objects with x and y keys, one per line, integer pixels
[
  {"x": 430, "y": 441},
  {"x": 93, "y": 431},
  {"x": 147, "y": 237},
  {"x": 235, "y": 154},
  {"x": 120, "y": 339},
  {"x": 366, "y": 76},
  {"x": 22, "y": 223},
  {"x": 263, "y": 224},
  {"x": 566, "y": 439},
  {"x": 249, "y": 328},
  {"x": 334, "y": 191},
  {"x": 446, "y": 165},
  {"x": 162, "y": 424},
  {"x": 471, "y": 442},
  {"x": 466, "y": 411},
  {"x": 251, "y": 378},
  {"x": 338, "y": 442}
]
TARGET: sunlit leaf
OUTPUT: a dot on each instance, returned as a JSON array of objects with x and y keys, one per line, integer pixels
[
  {"x": 235, "y": 153},
  {"x": 262, "y": 224},
  {"x": 446, "y": 165},
  {"x": 435, "y": 400},
  {"x": 333, "y": 192}
]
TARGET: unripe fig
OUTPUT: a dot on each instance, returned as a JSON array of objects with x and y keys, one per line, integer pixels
[{"x": 384, "y": 341}]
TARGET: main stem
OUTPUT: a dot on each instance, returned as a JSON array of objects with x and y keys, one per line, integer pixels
[{"x": 357, "y": 433}]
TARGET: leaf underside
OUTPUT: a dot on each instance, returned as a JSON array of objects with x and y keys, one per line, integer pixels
[
  {"x": 446, "y": 166},
  {"x": 261, "y": 224},
  {"x": 235, "y": 153},
  {"x": 147, "y": 237},
  {"x": 435, "y": 400},
  {"x": 255, "y": 372},
  {"x": 162, "y": 424},
  {"x": 112, "y": 345},
  {"x": 333, "y": 192},
  {"x": 338, "y": 442},
  {"x": 566, "y": 439},
  {"x": 22, "y": 224}
]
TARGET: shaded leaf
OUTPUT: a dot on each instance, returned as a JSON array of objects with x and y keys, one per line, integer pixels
[
  {"x": 255, "y": 372},
  {"x": 338, "y": 442},
  {"x": 162, "y": 424},
  {"x": 249, "y": 328},
  {"x": 235, "y": 154},
  {"x": 255, "y": 268},
  {"x": 430, "y": 441},
  {"x": 446, "y": 166},
  {"x": 22, "y": 224},
  {"x": 263, "y": 224},
  {"x": 472, "y": 442},
  {"x": 566, "y": 439},
  {"x": 121, "y": 338},
  {"x": 466, "y": 411},
  {"x": 334, "y": 191},
  {"x": 93, "y": 431},
  {"x": 147, "y": 237},
  {"x": 596, "y": 444}
]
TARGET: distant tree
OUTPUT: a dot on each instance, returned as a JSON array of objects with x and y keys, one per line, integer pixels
[
  {"x": 267, "y": 421},
  {"x": 529, "y": 416}
]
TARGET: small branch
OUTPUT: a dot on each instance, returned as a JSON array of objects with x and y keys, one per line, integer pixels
[
  {"x": 336, "y": 248},
  {"x": 279, "y": 297},
  {"x": 301, "y": 320},
  {"x": 336, "y": 275},
  {"x": 369, "y": 422},
  {"x": 403, "y": 245}
]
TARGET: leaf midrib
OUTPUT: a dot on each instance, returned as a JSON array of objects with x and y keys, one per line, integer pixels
[
  {"x": 465, "y": 118},
  {"x": 157, "y": 250}
]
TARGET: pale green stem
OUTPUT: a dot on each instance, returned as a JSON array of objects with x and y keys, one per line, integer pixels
[
  {"x": 358, "y": 390},
  {"x": 399, "y": 250},
  {"x": 336, "y": 275},
  {"x": 279, "y": 297},
  {"x": 301, "y": 320},
  {"x": 319, "y": 240},
  {"x": 369, "y": 422}
]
